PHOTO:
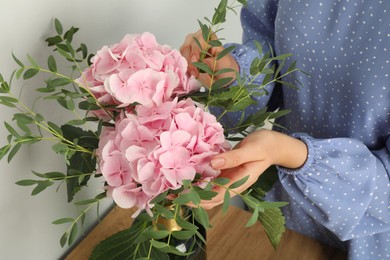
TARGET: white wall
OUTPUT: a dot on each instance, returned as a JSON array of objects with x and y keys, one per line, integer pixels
[{"x": 26, "y": 231}]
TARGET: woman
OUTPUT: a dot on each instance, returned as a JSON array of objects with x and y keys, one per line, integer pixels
[{"x": 334, "y": 161}]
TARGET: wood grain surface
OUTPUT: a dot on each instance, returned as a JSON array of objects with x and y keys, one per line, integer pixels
[{"x": 228, "y": 239}]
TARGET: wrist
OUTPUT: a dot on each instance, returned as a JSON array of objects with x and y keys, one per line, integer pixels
[{"x": 289, "y": 152}]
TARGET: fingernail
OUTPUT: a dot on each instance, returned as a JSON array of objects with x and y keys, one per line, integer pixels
[
  {"x": 217, "y": 162},
  {"x": 193, "y": 58}
]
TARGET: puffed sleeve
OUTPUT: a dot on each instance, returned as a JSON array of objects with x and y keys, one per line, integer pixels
[
  {"x": 342, "y": 185},
  {"x": 257, "y": 20}
]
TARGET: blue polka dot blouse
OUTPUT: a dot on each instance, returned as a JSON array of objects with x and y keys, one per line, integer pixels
[{"x": 341, "y": 195}]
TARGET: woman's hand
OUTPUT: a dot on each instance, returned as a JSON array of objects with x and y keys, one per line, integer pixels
[
  {"x": 192, "y": 53},
  {"x": 252, "y": 156}
]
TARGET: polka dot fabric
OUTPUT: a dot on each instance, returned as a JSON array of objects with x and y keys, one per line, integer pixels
[{"x": 341, "y": 195}]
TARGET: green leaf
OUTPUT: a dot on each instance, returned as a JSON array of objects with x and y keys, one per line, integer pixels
[
  {"x": 186, "y": 224},
  {"x": 51, "y": 41},
  {"x": 123, "y": 245},
  {"x": 4, "y": 87},
  {"x": 166, "y": 248},
  {"x": 17, "y": 61},
  {"x": 222, "y": 82},
  {"x": 39, "y": 118},
  {"x": 253, "y": 219},
  {"x": 8, "y": 99},
  {"x": 23, "y": 118},
  {"x": 30, "y": 73},
  {"x": 206, "y": 194},
  {"x": 226, "y": 202},
  {"x": 1, "y": 78},
  {"x": 84, "y": 50},
  {"x": 7, "y": 104},
  {"x": 226, "y": 51},
  {"x": 76, "y": 122},
  {"x": 221, "y": 181},
  {"x": 274, "y": 224},
  {"x": 14, "y": 151},
  {"x": 64, "y": 54},
  {"x": 73, "y": 234},
  {"x": 279, "y": 113},
  {"x": 183, "y": 198},
  {"x": 55, "y": 128},
  {"x": 41, "y": 186},
  {"x": 19, "y": 73},
  {"x": 201, "y": 216},
  {"x": 52, "y": 64},
  {"x": 57, "y": 82},
  {"x": 62, "y": 221},
  {"x": 203, "y": 67},
  {"x": 26, "y": 182},
  {"x": 58, "y": 26},
  {"x": 239, "y": 183},
  {"x": 85, "y": 202},
  {"x": 33, "y": 62},
  {"x": 183, "y": 234},
  {"x": 45, "y": 90},
  {"x": 164, "y": 212},
  {"x": 4, "y": 150},
  {"x": 50, "y": 175},
  {"x": 69, "y": 34},
  {"x": 224, "y": 70},
  {"x": 159, "y": 197},
  {"x": 63, "y": 239},
  {"x": 11, "y": 130},
  {"x": 60, "y": 148}
]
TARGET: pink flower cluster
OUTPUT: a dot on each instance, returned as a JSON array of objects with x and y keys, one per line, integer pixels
[
  {"x": 137, "y": 70},
  {"x": 163, "y": 139},
  {"x": 155, "y": 150}
]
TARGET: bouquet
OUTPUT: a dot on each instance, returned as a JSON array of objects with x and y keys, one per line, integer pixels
[{"x": 153, "y": 135}]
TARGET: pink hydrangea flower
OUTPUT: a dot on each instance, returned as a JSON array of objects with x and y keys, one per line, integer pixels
[
  {"x": 137, "y": 69},
  {"x": 158, "y": 156}
]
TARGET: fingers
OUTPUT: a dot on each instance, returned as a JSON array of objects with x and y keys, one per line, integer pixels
[
  {"x": 251, "y": 169},
  {"x": 235, "y": 157}
]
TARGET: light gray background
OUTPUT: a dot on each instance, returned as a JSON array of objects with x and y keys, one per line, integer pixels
[{"x": 26, "y": 231}]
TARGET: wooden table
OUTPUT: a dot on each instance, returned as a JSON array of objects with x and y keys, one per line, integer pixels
[{"x": 227, "y": 240}]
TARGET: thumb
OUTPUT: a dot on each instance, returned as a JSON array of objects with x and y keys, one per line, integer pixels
[{"x": 233, "y": 158}]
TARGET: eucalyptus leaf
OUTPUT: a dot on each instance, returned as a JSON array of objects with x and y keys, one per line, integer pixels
[
  {"x": 17, "y": 61},
  {"x": 51, "y": 41},
  {"x": 4, "y": 150},
  {"x": 11, "y": 130},
  {"x": 52, "y": 64},
  {"x": 63, "y": 239},
  {"x": 30, "y": 73},
  {"x": 62, "y": 221},
  {"x": 58, "y": 26},
  {"x": 32, "y": 61},
  {"x": 41, "y": 186},
  {"x": 201, "y": 216},
  {"x": 26, "y": 182},
  {"x": 73, "y": 234},
  {"x": 239, "y": 182},
  {"x": 226, "y": 201},
  {"x": 14, "y": 151}
]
